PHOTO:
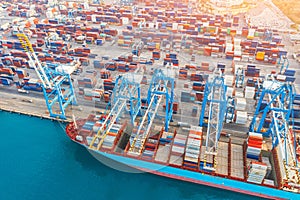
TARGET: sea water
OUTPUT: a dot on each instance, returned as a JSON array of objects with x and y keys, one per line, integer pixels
[{"x": 39, "y": 162}]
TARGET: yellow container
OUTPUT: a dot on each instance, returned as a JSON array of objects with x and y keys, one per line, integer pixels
[
  {"x": 260, "y": 55},
  {"x": 120, "y": 41},
  {"x": 250, "y": 37},
  {"x": 157, "y": 46}
]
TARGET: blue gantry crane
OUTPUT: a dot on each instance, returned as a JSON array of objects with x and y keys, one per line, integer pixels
[
  {"x": 230, "y": 110},
  {"x": 137, "y": 48},
  {"x": 57, "y": 86},
  {"x": 268, "y": 35},
  {"x": 271, "y": 118},
  {"x": 239, "y": 77},
  {"x": 161, "y": 86},
  {"x": 125, "y": 99},
  {"x": 127, "y": 87},
  {"x": 213, "y": 110},
  {"x": 283, "y": 63}
]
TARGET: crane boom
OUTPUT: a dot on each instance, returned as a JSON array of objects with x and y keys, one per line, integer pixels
[{"x": 57, "y": 86}]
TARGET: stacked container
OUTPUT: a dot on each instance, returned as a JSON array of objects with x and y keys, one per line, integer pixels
[
  {"x": 110, "y": 139},
  {"x": 7, "y": 71},
  {"x": 33, "y": 84},
  {"x": 150, "y": 147},
  {"x": 6, "y": 82},
  {"x": 88, "y": 125},
  {"x": 156, "y": 55},
  {"x": 185, "y": 97},
  {"x": 105, "y": 74},
  {"x": 89, "y": 81},
  {"x": 177, "y": 150},
  {"x": 164, "y": 148},
  {"x": 229, "y": 80},
  {"x": 252, "y": 71},
  {"x": 192, "y": 151},
  {"x": 257, "y": 172},
  {"x": 183, "y": 73},
  {"x": 21, "y": 73},
  {"x": 255, "y": 141},
  {"x": 240, "y": 104},
  {"x": 222, "y": 159},
  {"x": 241, "y": 117},
  {"x": 108, "y": 84},
  {"x": 249, "y": 92},
  {"x": 93, "y": 95},
  {"x": 97, "y": 126},
  {"x": 198, "y": 86}
]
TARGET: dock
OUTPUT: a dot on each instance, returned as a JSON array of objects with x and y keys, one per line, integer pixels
[{"x": 33, "y": 114}]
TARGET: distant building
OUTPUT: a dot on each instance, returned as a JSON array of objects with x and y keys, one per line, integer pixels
[{"x": 227, "y": 3}]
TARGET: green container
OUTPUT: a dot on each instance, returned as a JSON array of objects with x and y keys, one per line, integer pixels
[{"x": 228, "y": 31}]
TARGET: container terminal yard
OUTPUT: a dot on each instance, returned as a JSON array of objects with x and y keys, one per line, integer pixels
[{"x": 162, "y": 87}]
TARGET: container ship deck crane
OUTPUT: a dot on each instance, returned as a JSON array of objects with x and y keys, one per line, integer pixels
[
  {"x": 272, "y": 116},
  {"x": 283, "y": 63},
  {"x": 126, "y": 92},
  {"x": 158, "y": 90},
  {"x": 214, "y": 103},
  {"x": 57, "y": 86}
]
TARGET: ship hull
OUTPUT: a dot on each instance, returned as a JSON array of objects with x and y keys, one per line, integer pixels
[{"x": 136, "y": 165}]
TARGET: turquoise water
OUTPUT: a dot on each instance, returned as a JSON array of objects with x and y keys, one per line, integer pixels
[{"x": 38, "y": 161}]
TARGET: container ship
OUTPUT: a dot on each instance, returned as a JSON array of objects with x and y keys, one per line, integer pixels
[{"x": 221, "y": 150}]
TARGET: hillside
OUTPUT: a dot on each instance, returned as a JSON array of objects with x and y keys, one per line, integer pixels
[{"x": 290, "y": 8}]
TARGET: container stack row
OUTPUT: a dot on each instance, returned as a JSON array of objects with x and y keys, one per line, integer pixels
[
  {"x": 33, "y": 85},
  {"x": 206, "y": 160},
  {"x": 257, "y": 172},
  {"x": 177, "y": 151},
  {"x": 164, "y": 148},
  {"x": 88, "y": 81},
  {"x": 237, "y": 162},
  {"x": 255, "y": 141},
  {"x": 222, "y": 159},
  {"x": 192, "y": 151},
  {"x": 93, "y": 94},
  {"x": 150, "y": 147},
  {"x": 110, "y": 139}
]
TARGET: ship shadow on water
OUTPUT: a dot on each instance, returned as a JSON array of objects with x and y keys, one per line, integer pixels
[{"x": 146, "y": 181}]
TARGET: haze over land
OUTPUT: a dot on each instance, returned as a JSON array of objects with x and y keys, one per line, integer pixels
[{"x": 291, "y": 8}]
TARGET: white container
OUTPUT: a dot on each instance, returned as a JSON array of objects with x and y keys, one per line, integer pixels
[
  {"x": 255, "y": 135},
  {"x": 241, "y": 117},
  {"x": 237, "y": 41},
  {"x": 229, "y": 80},
  {"x": 151, "y": 25},
  {"x": 237, "y": 52},
  {"x": 251, "y": 32},
  {"x": 249, "y": 92},
  {"x": 237, "y": 47},
  {"x": 157, "y": 25},
  {"x": 239, "y": 94},
  {"x": 229, "y": 91},
  {"x": 174, "y": 26},
  {"x": 281, "y": 77},
  {"x": 245, "y": 58},
  {"x": 241, "y": 104}
]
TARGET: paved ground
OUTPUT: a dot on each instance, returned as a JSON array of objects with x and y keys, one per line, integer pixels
[
  {"x": 266, "y": 14},
  {"x": 9, "y": 95}
]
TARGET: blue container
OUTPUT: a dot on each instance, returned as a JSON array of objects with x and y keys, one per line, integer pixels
[
  {"x": 289, "y": 72},
  {"x": 290, "y": 79}
]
